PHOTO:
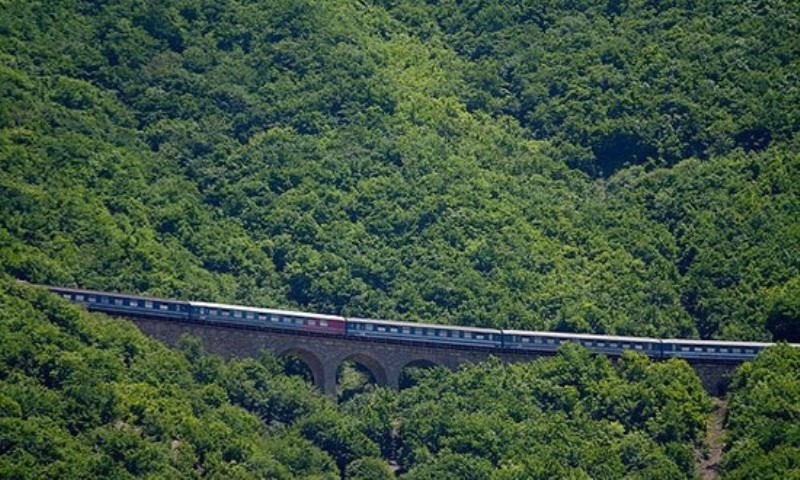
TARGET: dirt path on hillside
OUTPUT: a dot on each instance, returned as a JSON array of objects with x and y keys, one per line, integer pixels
[{"x": 709, "y": 465}]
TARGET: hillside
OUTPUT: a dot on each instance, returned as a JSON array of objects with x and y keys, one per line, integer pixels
[
  {"x": 87, "y": 396},
  {"x": 614, "y": 167},
  {"x": 609, "y": 166}
]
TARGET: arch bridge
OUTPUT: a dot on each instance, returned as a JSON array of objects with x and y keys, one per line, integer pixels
[{"x": 384, "y": 359}]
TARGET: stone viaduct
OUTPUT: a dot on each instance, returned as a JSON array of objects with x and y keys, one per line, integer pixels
[{"x": 385, "y": 360}]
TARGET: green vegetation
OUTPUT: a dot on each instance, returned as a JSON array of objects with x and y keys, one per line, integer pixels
[
  {"x": 571, "y": 416},
  {"x": 86, "y": 396},
  {"x": 619, "y": 82},
  {"x": 615, "y": 166},
  {"x": 764, "y": 417},
  {"x": 412, "y": 161}
]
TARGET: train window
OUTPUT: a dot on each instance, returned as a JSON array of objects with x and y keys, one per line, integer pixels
[
  {"x": 381, "y": 329},
  {"x": 480, "y": 336},
  {"x": 237, "y": 314},
  {"x": 406, "y": 330},
  {"x": 637, "y": 347},
  {"x": 737, "y": 350},
  {"x": 601, "y": 344},
  {"x": 323, "y": 323},
  {"x": 723, "y": 350},
  {"x": 118, "y": 301},
  {"x": 698, "y": 349},
  {"x": 685, "y": 349},
  {"x": 164, "y": 306},
  {"x": 613, "y": 344},
  {"x": 148, "y": 304},
  {"x": 79, "y": 298}
]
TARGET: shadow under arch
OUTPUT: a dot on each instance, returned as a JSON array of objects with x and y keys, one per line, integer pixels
[
  {"x": 406, "y": 378},
  {"x": 311, "y": 361},
  {"x": 356, "y": 372},
  {"x": 375, "y": 368}
]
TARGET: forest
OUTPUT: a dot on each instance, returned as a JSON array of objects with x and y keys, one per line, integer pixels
[
  {"x": 610, "y": 166},
  {"x": 88, "y": 396}
]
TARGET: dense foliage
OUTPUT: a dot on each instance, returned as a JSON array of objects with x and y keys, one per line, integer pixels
[
  {"x": 614, "y": 166},
  {"x": 764, "y": 417},
  {"x": 85, "y": 396},
  {"x": 620, "y": 82},
  {"x": 572, "y": 416},
  {"x": 412, "y": 160}
]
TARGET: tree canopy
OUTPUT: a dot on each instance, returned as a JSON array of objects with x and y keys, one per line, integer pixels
[{"x": 611, "y": 167}]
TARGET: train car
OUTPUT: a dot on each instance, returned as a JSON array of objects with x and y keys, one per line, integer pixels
[
  {"x": 420, "y": 332},
  {"x": 550, "y": 341},
  {"x": 711, "y": 349},
  {"x": 267, "y": 318},
  {"x": 116, "y": 303}
]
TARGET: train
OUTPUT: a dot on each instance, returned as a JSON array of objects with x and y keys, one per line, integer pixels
[{"x": 385, "y": 330}]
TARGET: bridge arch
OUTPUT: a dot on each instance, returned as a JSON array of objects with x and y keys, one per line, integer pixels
[
  {"x": 313, "y": 363},
  {"x": 374, "y": 366},
  {"x": 404, "y": 380}
]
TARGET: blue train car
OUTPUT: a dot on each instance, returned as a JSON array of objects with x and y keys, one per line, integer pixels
[
  {"x": 267, "y": 318},
  {"x": 420, "y": 332},
  {"x": 711, "y": 349},
  {"x": 125, "y": 304},
  {"x": 607, "y": 344}
]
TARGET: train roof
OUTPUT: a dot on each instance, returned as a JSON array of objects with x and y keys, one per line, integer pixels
[
  {"x": 84, "y": 291},
  {"x": 424, "y": 325},
  {"x": 224, "y": 306},
  {"x": 722, "y": 343},
  {"x": 582, "y": 336}
]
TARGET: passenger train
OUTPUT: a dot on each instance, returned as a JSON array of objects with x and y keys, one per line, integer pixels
[{"x": 334, "y": 325}]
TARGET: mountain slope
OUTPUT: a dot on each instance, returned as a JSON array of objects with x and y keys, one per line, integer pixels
[{"x": 336, "y": 158}]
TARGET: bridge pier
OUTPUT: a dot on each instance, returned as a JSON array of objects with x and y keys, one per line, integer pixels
[
  {"x": 715, "y": 376},
  {"x": 328, "y": 385}
]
